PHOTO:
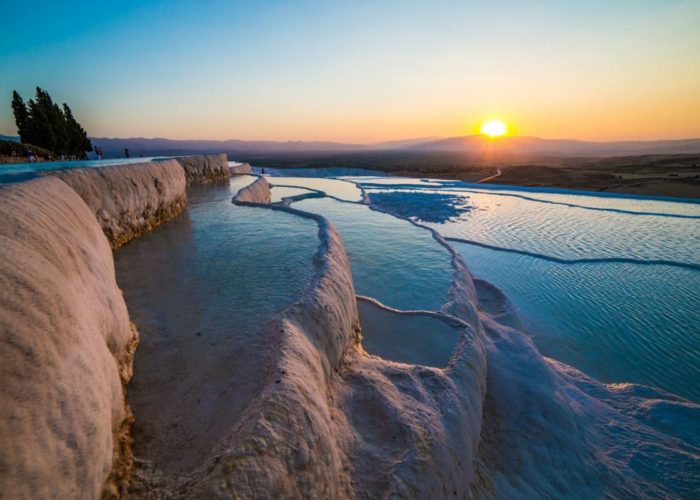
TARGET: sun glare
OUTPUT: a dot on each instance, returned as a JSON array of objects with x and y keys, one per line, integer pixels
[{"x": 494, "y": 128}]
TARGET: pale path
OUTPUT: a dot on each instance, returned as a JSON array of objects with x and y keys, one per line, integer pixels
[{"x": 486, "y": 179}]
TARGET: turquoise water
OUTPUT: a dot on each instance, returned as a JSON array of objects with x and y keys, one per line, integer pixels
[
  {"x": 200, "y": 290},
  {"x": 15, "y": 172},
  {"x": 392, "y": 260},
  {"x": 610, "y": 285},
  {"x": 618, "y": 322}
]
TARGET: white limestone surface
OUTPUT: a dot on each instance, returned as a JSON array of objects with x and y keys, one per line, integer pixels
[
  {"x": 67, "y": 347},
  {"x": 129, "y": 200},
  {"x": 205, "y": 168},
  {"x": 257, "y": 192}
]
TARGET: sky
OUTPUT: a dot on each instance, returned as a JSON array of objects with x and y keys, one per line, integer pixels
[{"x": 358, "y": 71}]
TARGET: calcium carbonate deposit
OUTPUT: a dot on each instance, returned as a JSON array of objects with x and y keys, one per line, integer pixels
[{"x": 320, "y": 338}]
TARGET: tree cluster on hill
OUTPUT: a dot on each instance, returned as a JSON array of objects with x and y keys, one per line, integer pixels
[{"x": 43, "y": 123}]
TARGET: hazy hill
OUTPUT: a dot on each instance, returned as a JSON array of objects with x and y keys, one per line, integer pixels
[
  {"x": 159, "y": 146},
  {"x": 517, "y": 146},
  {"x": 470, "y": 144}
]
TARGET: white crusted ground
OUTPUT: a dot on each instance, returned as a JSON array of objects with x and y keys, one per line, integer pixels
[
  {"x": 499, "y": 421},
  {"x": 205, "y": 168},
  {"x": 331, "y": 421},
  {"x": 129, "y": 200},
  {"x": 257, "y": 192},
  {"x": 65, "y": 340}
]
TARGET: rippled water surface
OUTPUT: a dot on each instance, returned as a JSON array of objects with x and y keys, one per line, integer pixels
[
  {"x": 616, "y": 321},
  {"x": 329, "y": 172},
  {"x": 572, "y": 232},
  {"x": 610, "y": 285}
]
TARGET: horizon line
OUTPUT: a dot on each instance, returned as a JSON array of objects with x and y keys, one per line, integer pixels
[{"x": 427, "y": 139}]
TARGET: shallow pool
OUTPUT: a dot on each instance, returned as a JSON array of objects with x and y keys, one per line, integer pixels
[
  {"x": 569, "y": 232},
  {"x": 200, "y": 290},
  {"x": 277, "y": 193},
  {"x": 392, "y": 260},
  {"x": 343, "y": 190},
  {"x": 417, "y": 339}
]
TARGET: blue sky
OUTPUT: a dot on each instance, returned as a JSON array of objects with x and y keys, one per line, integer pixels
[{"x": 359, "y": 71}]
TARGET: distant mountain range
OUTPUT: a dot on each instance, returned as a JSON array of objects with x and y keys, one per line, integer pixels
[
  {"x": 471, "y": 144},
  {"x": 558, "y": 147}
]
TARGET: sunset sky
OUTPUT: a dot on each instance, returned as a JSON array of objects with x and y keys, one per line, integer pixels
[{"x": 360, "y": 71}]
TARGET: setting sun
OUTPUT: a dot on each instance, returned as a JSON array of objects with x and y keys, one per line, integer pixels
[{"x": 494, "y": 128}]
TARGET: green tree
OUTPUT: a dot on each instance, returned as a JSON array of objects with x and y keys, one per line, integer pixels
[
  {"x": 43, "y": 123},
  {"x": 77, "y": 137},
  {"x": 21, "y": 116},
  {"x": 41, "y": 131}
]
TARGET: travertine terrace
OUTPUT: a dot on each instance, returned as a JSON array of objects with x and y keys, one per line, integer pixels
[{"x": 331, "y": 420}]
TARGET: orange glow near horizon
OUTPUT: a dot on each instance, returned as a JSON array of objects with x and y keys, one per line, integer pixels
[{"x": 362, "y": 72}]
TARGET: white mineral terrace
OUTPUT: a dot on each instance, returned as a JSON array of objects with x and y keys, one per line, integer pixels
[{"x": 296, "y": 341}]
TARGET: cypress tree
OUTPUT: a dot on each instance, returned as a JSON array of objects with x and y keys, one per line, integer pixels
[
  {"x": 54, "y": 122},
  {"x": 77, "y": 137},
  {"x": 43, "y": 123},
  {"x": 41, "y": 131},
  {"x": 21, "y": 116}
]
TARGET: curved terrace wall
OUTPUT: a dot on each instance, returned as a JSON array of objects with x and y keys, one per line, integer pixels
[
  {"x": 243, "y": 168},
  {"x": 333, "y": 422},
  {"x": 257, "y": 192},
  {"x": 67, "y": 346},
  {"x": 129, "y": 200},
  {"x": 64, "y": 327},
  {"x": 205, "y": 168},
  {"x": 550, "y": 431}
]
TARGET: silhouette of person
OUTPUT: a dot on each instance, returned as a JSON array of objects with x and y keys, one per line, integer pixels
[{"x": 126, "y": 152}]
